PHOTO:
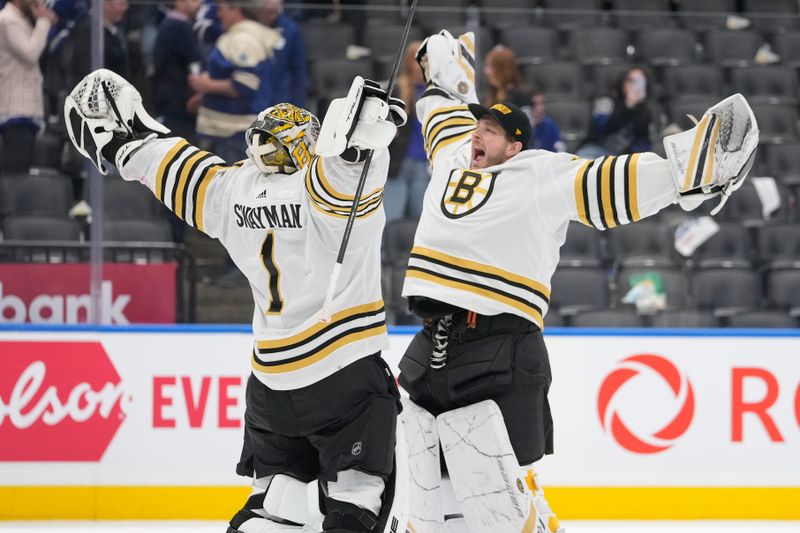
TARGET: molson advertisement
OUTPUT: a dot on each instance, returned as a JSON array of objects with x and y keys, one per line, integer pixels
[{"x": 145, "y": 422}]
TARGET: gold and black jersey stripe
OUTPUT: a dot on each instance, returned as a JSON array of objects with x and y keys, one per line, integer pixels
[
  {"x": 325, "y": 198},
  {"x": 700, "y": 169},
  {"x": 606, "y": 191},
  {"x": 519, "y": 292},
  {"x": 182, "y": 179},
  {"x": 320, "y": 340},
  {"x": 445, "y": 126}
]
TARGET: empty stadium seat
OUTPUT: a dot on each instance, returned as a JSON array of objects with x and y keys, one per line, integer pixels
[
  {"x": 666, "y": 46},
  {"x": 566, "y": 14},
  {"x": 383, "y": 12},
  {"x": 122, "y": 230},
  {"x": 45, "y": 195},
  {"x": 762, "y": 318},
  {"x": 572, "y": 117},
  {"x": 732, "y": 48},
  {"x": 706, "y": 14},
  {"x": 598, "y": 45},
  {"x": 40, "y": 228},
  {"x": 732, "y": 241},
  {"x": 675, "y": 284},
  {"x": 507, "y": 13},
  {"x": 638, "y": 14},
  {"x": 325, "y": 40},
  {"x": 787, "y": 46},
  {"x": 607, "y": 318},
  {"x": 442, "y": 14},
  {"x": 553, "y": 319},
  {"x": 398, "y": 238},
  {"x": 771, "y": 16},
  {"x": 693, "y": 82},
  {"x": 123, "y": 199},
  {"x": 607, "y": 79},
  {"x": 382, "y": 39},
  {"x": 574, "y": 285},
  {"x": 582, "y": 243},
  {"x": 776, "y": 123},
  {"x": 685, "y": 318},
  {"x": 778, "y": 241},
  {"x": 531, "y": 44},
  {"x": 47, "y": 151},
  {"x": 765, "y": 84},
  {"x": 783, "y": 162},
  {"x": 783, "y": 286},
  {"x": 721, "y": 288},
  {"x": 645, "y": 238},
  {"x": 557, "y": 80}
]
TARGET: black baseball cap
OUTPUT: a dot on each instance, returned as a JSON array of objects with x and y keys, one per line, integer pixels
[{"x": 510, "y": 117}]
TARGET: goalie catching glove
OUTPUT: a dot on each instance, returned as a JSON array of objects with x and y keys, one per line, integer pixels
[
  {"x": 714, "y": 157},
  {"x": 105, "y": 118},
  {"x": 449, "y": 64},
  {"x": 367, "y": 118}
]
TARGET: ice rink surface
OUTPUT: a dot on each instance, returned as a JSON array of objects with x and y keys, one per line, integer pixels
[{"x": 571, "y": 526}]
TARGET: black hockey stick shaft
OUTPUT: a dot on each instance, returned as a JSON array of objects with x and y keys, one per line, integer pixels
[{"x": 368, "y": 160}]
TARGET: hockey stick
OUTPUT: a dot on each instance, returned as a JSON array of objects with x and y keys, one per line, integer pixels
[{"x": 325, "y": 315}]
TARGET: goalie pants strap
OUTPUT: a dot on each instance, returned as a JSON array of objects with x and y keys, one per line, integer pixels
[{"x": 501, "y": 358}]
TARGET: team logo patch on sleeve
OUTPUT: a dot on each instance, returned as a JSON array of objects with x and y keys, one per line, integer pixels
[{"x": 466, "y": 192}]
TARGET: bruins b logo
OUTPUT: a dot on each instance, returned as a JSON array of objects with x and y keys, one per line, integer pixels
[{"x": 466, "y": 191}]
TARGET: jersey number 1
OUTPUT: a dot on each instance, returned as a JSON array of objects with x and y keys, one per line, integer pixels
[{"x": 268, "y": 260}]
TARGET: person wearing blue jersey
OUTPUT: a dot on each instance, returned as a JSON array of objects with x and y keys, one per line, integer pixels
[
  {"x": 289, "y": 79},
  {"x": 232, "y": 84}
]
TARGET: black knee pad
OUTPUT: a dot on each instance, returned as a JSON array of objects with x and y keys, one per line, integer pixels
[{"x": 343, "y": 517}]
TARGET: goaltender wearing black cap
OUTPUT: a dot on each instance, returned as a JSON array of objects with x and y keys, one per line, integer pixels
[{"x": 503, "y": 131}]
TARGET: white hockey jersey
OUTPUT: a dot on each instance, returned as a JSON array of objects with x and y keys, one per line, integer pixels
[
  {"x": 283, "y": 232},
  {"x": 488, "y": 240}
]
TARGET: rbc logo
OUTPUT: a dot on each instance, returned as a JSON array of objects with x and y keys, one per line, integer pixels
[{"x": 608, "y": 411}]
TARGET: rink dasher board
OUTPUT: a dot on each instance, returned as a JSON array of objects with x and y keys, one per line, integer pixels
[{"x": 680, "y": 424}]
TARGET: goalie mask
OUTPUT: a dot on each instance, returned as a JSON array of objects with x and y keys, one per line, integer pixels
[{"x": 282, "y": 139}]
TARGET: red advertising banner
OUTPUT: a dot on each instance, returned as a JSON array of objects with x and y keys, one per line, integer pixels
[
  {"x": 59, "y": 294},
  {"x": 59, "y": 401}
]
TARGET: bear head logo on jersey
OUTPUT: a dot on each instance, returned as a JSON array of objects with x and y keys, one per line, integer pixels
[{"x": 282, "y": 139}]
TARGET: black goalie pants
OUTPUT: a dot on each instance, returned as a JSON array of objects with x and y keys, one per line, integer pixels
[
  {"x": 345, "y": 421},
  {"x": 501, "y": 358}
]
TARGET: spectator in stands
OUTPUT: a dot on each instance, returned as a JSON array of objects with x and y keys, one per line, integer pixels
[
  {"x": 115, "y": 41},
  {"x": 288, "y": 80},
  {"x": 176, "y": 54},
  {"x": 621, "y": 125},
  {"x": 231, "y": 86},
  {"x": 24, "y": 25},
  {"x": 546, "y": 135},
  {"x": 408, "y": 171},
  {"x": 502, "y": 75}
]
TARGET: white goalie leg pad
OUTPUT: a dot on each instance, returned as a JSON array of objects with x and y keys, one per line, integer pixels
[
  {"x": 290, "y": 499},
  {"x": 425, "y": 475},
  {"x": 487, "y": 479},
  {"x": 394, "y": 513},
  {"x": 715, "y": 156}
]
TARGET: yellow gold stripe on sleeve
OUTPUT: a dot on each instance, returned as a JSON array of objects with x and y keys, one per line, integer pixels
[
  {"x": 183, "y": 179},
  {"x": 449, "y": 141},
  {"x": 336, "y": 194},
  {"x": 441, "y": 110},
  {"x": 201, "y": 196},
  {"x": 455, "y": 121},
  {"x": 168, "y": 157},
  {"x": 605, "y": 177},
  {"x": 632, "y": 191}
]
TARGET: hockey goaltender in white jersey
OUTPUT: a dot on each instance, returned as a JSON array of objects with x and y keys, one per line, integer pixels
[
  {"x": 494, "y": 217},
  {"x": 320, "y": 441}
]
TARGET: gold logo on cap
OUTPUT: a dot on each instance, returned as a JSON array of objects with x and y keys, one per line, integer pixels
[
  {"x": 517, "y": 132},
  {"x": 503, "y": 109}
]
